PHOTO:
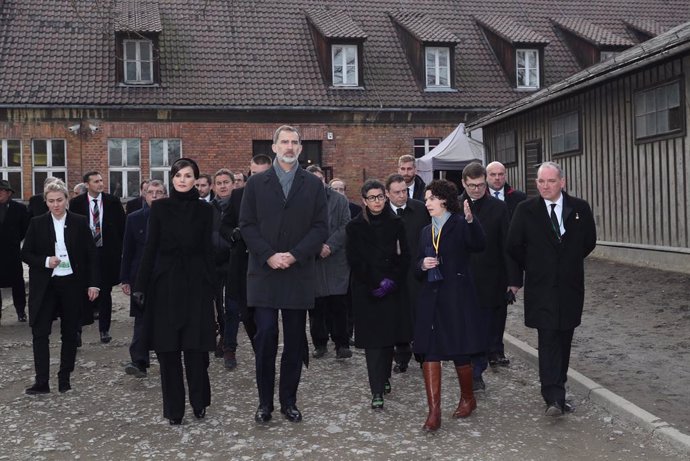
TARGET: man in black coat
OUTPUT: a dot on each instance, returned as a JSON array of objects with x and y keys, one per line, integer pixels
[
  {"x": 284, "y": 222},
  {"x": 14, "y": 220},
  {"x": 500, "y": 189},
  {"x": 133, "y": 245},
  {"x": 495, "y": 273},
  {"x": 407, "y": 167},
  {"x": 137, "y": 203},
  {"x": 63, "y": 271},
  {"x": 236, "y": 287},
  {"x": 549, "y": 237},
  {"x": 107, "y": 221},
  {"x": 415, "y": 217}
]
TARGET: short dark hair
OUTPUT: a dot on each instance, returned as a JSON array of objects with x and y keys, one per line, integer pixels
[
  {"x": 395, "y": 177},
  {"x": 207, "y": 177},
  {"x": 184, "y": 162},
  {"x": 244, "y": 176},
  {"x": 261, "y": 159},
  {"x": 473, "y": 170},
  {"x": 224, "y": 172},
  {"x": 88, "y": 175},
  {"x": 315, "y": 169},
  {"x": 445, "y": 190},
  {"x": 370, "y": 184}
]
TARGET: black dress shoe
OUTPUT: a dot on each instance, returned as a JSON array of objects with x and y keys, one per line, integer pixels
[
  {"x": 503, "y": 361},
  {"x": 387, "y": 389},
  {"x": 291, "y": 413},
  {"x": 400, "y": 368},
  {"x": 42, "y": 388},
  {"x": 200, "y": 414},
  {"x": 21, "y": 317},
  {"x": 105, "y": 337},
  {"x": 377, "y": 402},
  {"x": 319, "y": 352},
  {"x": 175, "y": 421},
  {"x": 263, "y": 414},
  {"x": 554, "y": 409}
]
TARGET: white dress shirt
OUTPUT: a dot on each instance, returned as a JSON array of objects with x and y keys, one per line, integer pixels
[
  {"x": 558, "y": 210},
  {"x": 65, "y": 267}
]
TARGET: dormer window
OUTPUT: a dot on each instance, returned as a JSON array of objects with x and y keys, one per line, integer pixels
[
  {"x": 437, "y": 67},
  {"x": 345, "y": 65},
  {"x": 138, "y": 61},
  {"x": 527, "y": 68},
  {"x": 590, "y": 43},
  {"x": 606, "y": 55}
]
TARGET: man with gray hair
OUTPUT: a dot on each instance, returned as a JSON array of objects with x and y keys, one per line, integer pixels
[{"x": 549, "y": 237}]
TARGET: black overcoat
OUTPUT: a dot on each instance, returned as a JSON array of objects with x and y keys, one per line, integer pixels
[
  {"x": 133, "y": 249},
  {"x": 513, "y": 197},
  {"x": 39, "y": 244},
  {"x": 271, "y": 223},
  {"x": 236, "y": 287},
  {"x": 12, "y": 232},
  {"x": 449, "y": 320},
  {"x": 493, "y": 270},
  {"x": 176, "y": 275},
  {"x": 113, "y": 230},
  {"x": 554, "y": 271},
  {"x": 376, "y": 248}
]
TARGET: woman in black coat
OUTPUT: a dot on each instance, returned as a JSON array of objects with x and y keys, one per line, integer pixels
[
  {"x": 175, "y": 285},
  {"x": 447, "y": 325},
  {"x": 378, "y": 256}
]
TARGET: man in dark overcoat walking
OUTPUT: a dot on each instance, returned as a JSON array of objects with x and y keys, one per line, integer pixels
[
  {"x": 107, "y": 221},
  {"x": 14, "y": 220},
  {"x": 495, "y": 273},
  {"x": 284, "y": 222},
  {"x": 549, "y": 237}
]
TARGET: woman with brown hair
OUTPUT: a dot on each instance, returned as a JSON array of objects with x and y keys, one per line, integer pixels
[{"x": 448, "y": 313}]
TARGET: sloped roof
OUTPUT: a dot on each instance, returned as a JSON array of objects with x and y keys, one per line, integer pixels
[
  {"x": 137, "y": 16},
  {"x": 260, "y": 55},
  {"x": 335, "y": 23},
  {"x": 591, "y": 32},
  {"x": 647, "y": 26},
  {"x": 510, "y": 30},
  {"x": 668, "y": 44},
  {"x": 423, "y": 27}
]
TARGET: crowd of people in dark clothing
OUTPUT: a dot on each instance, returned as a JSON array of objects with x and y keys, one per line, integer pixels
[{"x": 410, "y": 273}]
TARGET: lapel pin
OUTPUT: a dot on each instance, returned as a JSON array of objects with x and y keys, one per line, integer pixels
[{"x": 577, "y": 216}]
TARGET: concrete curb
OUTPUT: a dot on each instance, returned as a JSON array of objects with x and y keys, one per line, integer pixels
[{"x": 613, "y": 403}]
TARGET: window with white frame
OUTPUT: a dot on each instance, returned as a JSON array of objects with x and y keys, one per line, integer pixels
[
  {"x": 138, "y": 61},
  {"x": 124, "y": 161},
  {"x": 527, "y": 68},
  {"x": 506, "y": 152},
  {"x": 423, "y": 146},
  {"x": 606, "y": 55},
  {"x": 658, "y": 111},
  {"x": 437, "y": 67},
  {"x": 345, "y": 65},
  {"x": 11, "y": 164},
  {"x": 163, "y": 153},
  {"x": 49, "y": 159},
  {"x": 565, "y": 133}
]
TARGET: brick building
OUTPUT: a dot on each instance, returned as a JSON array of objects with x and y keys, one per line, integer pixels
[{"x": 126, "y": 86}]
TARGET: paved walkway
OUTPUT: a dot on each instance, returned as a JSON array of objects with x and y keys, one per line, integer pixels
[{"x": 112, "y": 416}]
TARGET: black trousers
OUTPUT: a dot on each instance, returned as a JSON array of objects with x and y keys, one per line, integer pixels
[
  {"x": 219, "y": 299},
  {"x": 138, "y": 348},
  {"x": 104, "y": 306},
  {"x": 379, "y": 361},
  {"x": 329, "y": 318},
  {"x": 18, "y": 296},
  {"x": 63, "y": 299},
  {"x": 172, "y": 383},
  {"x": 554, "y": 359},
  {"x": 497, "y": 325},
  {"x": 247, "y": 319},
  {"x": 266, "y": 350}
]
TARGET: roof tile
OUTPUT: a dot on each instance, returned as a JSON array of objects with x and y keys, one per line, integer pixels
[
  {"x": 335, "y": 23},
  {"x": 591, "y": 32},
  {"x": 510, "y": 30}
]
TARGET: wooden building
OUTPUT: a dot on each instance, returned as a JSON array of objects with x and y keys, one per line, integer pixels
[
  {"x": 621, "y": 131},
  {"x": 127, "y": 86}
]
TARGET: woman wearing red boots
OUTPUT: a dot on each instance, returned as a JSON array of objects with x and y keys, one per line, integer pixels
[{"x": 448, "y": 313}]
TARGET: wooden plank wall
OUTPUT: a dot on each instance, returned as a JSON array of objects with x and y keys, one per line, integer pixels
[{"x": 640, "y": 192}]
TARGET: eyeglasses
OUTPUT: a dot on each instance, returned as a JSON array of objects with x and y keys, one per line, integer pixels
[
  {"x": 375, "y": 198},
  {"x": 475, "y": 186}
]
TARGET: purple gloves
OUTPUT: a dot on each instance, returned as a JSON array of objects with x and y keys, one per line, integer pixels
[{"x": 386, "y": 286}]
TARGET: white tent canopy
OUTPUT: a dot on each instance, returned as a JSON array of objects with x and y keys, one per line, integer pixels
[{"x": 453, "y": 153}]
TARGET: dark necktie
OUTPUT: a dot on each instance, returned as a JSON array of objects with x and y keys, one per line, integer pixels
[
  {"x": 96, "y": 214},
  {"x": 498, "y": 194},
  {"x": 399, "y": 211},
  {"x": 554, "y": 221}
]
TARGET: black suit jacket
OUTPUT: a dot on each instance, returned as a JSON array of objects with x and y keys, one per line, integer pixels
[
  {"x": 12, "y": 231},
  {"x": 554, "y": 271},
  {"x": 133, "y": 205},
  {"x": 37, "y": 205},
  {"x": 493, "y": 269},
  {"x": 512, "y": 198},
  {"x": 113, "y": 230},
  {"x": 39, "y": 244}
]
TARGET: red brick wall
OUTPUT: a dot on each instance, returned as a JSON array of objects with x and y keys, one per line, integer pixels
[{"x": 355, "y": 153}]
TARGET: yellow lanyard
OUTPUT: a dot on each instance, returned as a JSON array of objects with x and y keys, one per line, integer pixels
[{"x": 435, "y": 239}]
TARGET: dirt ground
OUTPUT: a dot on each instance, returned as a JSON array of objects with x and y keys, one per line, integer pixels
[{"x": 634, "y": 338}]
